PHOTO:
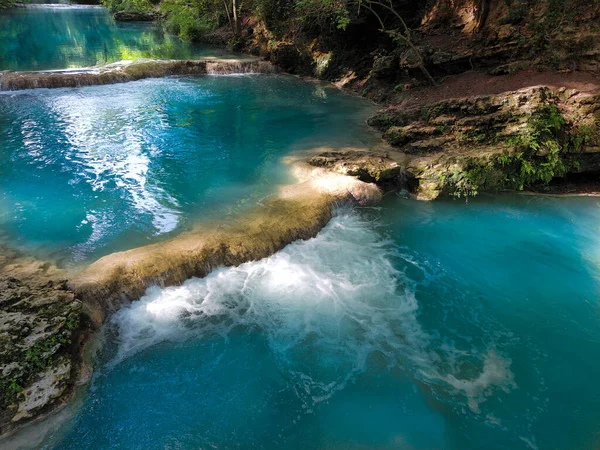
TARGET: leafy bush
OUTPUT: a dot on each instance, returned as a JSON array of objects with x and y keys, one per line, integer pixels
[
  {"x": 6, "y": 4},
  {"x": 127, "y": 5},
  {"x": 535, "y": 158},
  {"x": 187, "y": 20},
  {"x": 323, "y": 14}
]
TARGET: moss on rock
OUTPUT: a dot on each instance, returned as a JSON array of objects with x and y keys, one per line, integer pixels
[{"x": 516, "y": 140}]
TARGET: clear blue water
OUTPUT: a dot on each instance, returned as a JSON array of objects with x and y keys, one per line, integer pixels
[
  {"x": 85, "y": 172},
  {"x": 417, "y": 325},
  {"x": 43, "y": 37}
]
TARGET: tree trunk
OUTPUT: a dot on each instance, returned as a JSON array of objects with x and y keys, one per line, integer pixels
[
  {"x": 229, "y": 16},
  {"x": 237, "y": 30}
]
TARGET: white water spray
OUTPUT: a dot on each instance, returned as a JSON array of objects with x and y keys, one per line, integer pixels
[{"x": 326, "y": 305}]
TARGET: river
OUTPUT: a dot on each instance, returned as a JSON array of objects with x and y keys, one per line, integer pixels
[{"x": 410, "y": 325}]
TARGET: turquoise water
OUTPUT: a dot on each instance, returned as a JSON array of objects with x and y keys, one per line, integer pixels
[
  {"x": 42, "y": 37},
  {"x": 413, "y": 326},
  {"x": 84, "y": 172}
]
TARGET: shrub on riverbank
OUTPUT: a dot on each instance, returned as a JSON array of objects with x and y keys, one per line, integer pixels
[
  {"x": 6, "y": 4},
  {"x": 129, "y": 5},
  {"x": 189, "y": 20}
]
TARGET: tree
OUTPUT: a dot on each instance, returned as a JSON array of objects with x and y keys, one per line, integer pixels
[
  {"x": 6, "y": 4},
  {"x": 233, "y": 17},
  {"x": 403, "y": 34}
]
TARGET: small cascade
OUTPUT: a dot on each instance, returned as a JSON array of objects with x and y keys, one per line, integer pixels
[
  {"x": 125, "y": 71},
  {"x": 232, "y": 67},
  {"x": 56, "y": 6}
]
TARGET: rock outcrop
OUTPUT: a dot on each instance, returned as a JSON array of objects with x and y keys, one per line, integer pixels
[
  {"x": 298, "y": 211},
  {"x": 135, "y": 16},
  {"x": 515, "y": 140},
  {"x": 41, "y": 333}
]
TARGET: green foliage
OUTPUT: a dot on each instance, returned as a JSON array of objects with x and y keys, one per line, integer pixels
[
  {"x": 7, "y": 4},
  {"x": 128, "y": 5},
  {"x": 535, "y": 158},
  {"x": 323, "y": 14},
  {"x": 190, "y": 21},
  {"x": 585, "y": 134},
  {"x": 10, "y": 391}
]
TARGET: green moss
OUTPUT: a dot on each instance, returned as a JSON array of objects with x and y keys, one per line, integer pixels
[
  {"x": 534, "y": 157},
  {"x": 36, "y": 360},
  {"x": 396, "y": 136}
]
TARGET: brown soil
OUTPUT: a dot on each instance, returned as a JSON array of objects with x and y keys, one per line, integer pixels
[{"x": 478, "y": 83}]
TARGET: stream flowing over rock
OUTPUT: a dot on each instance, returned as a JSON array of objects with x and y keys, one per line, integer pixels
[
  {"x": 125, "y": 71},
  {"x": 48, "y": 313}
]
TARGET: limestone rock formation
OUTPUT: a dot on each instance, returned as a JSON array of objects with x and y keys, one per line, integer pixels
[
  {"x": 40, "y": 337},
  {"x": 513, "y": 140},
  {"x": 125, "y": 71}
]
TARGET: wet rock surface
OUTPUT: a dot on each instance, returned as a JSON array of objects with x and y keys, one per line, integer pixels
[
  {"x": 368, "y": 166},
  {"x": 125, "y": 71},
  {"x": 40, "y": 337},
  {"x": 298, "y": 211}
]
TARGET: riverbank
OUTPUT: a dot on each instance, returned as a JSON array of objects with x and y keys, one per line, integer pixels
[{"x": 297, "y": 212}]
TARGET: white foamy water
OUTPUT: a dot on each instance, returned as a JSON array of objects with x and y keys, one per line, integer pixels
[{"x": 326, "y": 306}]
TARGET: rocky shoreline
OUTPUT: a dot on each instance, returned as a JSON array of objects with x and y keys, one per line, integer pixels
[
  {"x": 42, "y": 332},
  {"x": 433, "y": 144},
  {"x": 516, "y": 140},
  {"x": 48, "y": 314}
]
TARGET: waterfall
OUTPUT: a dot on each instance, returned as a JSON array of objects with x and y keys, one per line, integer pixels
[{"x": 125, "y": 71}]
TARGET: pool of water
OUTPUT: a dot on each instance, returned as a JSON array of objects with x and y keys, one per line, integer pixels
[
  {"x": 413, "y": 325},
  {"x": 416, "y": 325},
  {"x": 84, "y": 172},
  {"x": 41, "y": 37}
]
